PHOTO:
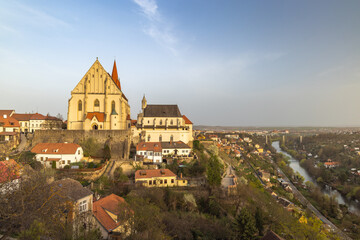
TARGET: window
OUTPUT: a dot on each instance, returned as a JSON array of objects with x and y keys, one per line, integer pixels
[
  {"x": 150, "y": 182},
  {"x": 172, "y": 180},
  {"x": 96, "y": 103},
  {"x": 83, "y": 206},
  {"x": 161, "y": 181},
  {"x": 165, "y": 181},
  {"x": 160, "y": 122},
  {"x": 160, "y": 138},
  {"x": 154, "y": 182},
  {"x": 112, "y": 106},
  {"x": 171, "y": 138},
  {"x": 172, "y": 122},
  {"x": 68, "y": 161},
  {"x": 149, "y": 138},
  {"x": 151, "y": 153},
  {"x": 79, "y": 105},
  {"x": 63, "y": 162},
  {"x": 79, "y": 152},
  {"x": 42, "y": 158}
]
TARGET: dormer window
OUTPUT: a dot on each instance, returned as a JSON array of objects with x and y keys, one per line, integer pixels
[
  {"x": 55, "y": 150},
  {"x": 44, "y": 150}
]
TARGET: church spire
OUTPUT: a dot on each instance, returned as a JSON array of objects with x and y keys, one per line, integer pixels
[
  {"x": 143, "y": 103},
  {"x": 114, "y": 75}
]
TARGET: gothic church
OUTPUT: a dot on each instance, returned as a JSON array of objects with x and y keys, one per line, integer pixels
[{"x": 98, "y": 103}]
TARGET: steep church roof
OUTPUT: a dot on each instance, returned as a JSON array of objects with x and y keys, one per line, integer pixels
[
  {"x": 115, "y": 76},
  {"x": 162, "y": 111}
]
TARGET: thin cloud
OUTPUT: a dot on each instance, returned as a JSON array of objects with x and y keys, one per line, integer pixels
[
  {"x": 41, "y": 17},
  {"x": 158, "y": 28}
]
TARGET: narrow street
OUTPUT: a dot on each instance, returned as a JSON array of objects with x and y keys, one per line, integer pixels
[{"x": 228, "y": 179}]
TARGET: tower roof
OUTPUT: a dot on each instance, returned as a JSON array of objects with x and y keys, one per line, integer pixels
[{"x": 114, "y": 75}]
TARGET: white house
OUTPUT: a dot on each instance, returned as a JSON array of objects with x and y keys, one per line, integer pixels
[
  {"x": 155, "y": 151},
  {"x": 61, "y": 153}
]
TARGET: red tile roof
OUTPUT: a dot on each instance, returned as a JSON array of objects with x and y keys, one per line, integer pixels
[
  {"x": 154, "y": 173},
  {"x": 133, "y": 122},
  {"x": 111, "y": 203},
  {"x": 10, "y": 170},
  {"x": 22, "y": 116},
  {"x": 53, "y": 159},
  {"x": 149, "y": 146},
  {"x": 331, "y": 163},
  {"x": 37, "y": 116},
  {"x": 62, "y": 148},
  {"x": 100, "y": 116},
  {"x": 6, "y": 112},
  {"x": 9, "y": 121},
  {"x": 187, "y": 121}
]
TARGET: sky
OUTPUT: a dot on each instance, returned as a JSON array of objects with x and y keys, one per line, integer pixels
[{"x": 229, "y": 63}]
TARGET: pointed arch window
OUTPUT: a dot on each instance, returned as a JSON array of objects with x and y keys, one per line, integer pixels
[
  {"x": 160, "y": 138},
  {"x": 113, "y": 106},
  {"x": 79, "y": 105},
  {"x": 96, "y": 103},
  {"x": 149, "y": 138},
  {"x": 171, "y": 138},
  {"x": 171, "y": 122}
]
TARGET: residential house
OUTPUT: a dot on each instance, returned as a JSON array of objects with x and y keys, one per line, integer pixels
[
  {"x": 111, "y": 215},
  {"x": 79, "y": 201},
  {"x": 237, "y": 153},
  {"x": 61, "y": 153},
  {"x": 214, "y": 137},
  {"x": 154, "y": 152},
  {"x": 331, "y": 164},
  {"x": 24, "y": 121},
  {"x": 9, "y": 129},
  {"x": 158, "y": 178}
]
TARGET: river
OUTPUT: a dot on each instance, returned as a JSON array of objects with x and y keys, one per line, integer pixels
[{"x": 295, "y": 165}]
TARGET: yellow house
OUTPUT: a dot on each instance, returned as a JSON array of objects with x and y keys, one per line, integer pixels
[
  {"x": 260, "y": 150},
  {"x": 158, "y": 178}
]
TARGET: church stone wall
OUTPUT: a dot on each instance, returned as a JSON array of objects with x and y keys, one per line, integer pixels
[{"x": 118, "y": 140}]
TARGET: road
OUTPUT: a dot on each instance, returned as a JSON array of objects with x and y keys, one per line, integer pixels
[
  {"x": 305, "y": 202},
  {"x": 228, "y": 180}
]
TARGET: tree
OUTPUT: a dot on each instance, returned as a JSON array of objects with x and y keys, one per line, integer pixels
[
  {"x": 91, "y": 147},
  {"x": 107, "y": 152},
  {"x": 213, "y": 171},
  {"x": 259, "y": 219},
  {"x": 245, "y": 225}
]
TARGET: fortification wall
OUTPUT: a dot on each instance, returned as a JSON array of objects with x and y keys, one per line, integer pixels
[{"x": 118, "y": 140}]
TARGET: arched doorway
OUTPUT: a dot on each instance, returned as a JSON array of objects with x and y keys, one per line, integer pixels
[{"x": 95, "y": 127}]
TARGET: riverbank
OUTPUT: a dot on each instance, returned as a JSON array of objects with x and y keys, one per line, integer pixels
[{"x": 324, "y": 200}]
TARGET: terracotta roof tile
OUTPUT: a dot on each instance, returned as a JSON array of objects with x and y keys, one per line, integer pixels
[
  {"x": 37, "y": 116},
  {"x": 149, "y": 146},
  {"x": 22, "y": 116},
  {"x": 111, "y": 203},
  {"x": 6, "y": 112},
  {"x": 100, "y": 116},
  {"x": 187, "y": 121},
  {"x": 55, "y": 148},
  {"x": 9, "y": 121},
  {"x": 153, "y": 173}
]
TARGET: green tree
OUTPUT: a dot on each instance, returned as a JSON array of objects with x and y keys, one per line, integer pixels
[
  {"x": 213, "y": 171},
  {"x": 259, "y": 219},
  {"x": 91, "y": 147},
  {"x": 107, "y": 152},
  {"x": 35, "y": 231},
  {"x": 245, "y": 225}
]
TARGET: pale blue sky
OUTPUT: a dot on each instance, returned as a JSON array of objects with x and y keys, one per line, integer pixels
[{"x": 245, "y": 63}]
